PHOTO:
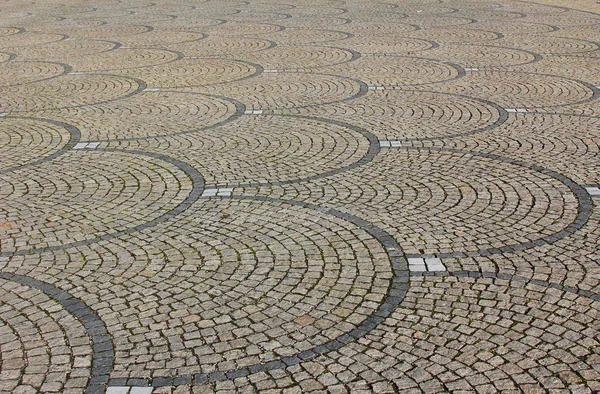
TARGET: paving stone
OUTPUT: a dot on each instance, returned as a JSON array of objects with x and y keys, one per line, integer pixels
[{"x": 331, "y": 198}]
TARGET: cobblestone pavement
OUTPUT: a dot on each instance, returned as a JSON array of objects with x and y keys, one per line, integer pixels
[{"x": 285, "y": 196}]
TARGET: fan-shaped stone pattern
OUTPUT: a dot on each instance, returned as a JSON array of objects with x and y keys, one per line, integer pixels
[
  {"x": 520, "y": 90},
  {"x": 369, "y": 28},
  {"x": 319, "y": 22},
  {"x": 42, "y": 347},
  {"x": 424, "y": 9},
  {"x": 491, "y": 15},
  {"x": 8, "y": 31},
  {"x": 111, "y": 32},
  {"x": 442, "y": 202},
  {"x": 390, "y": 71},
  {"x": 388, "y": 44},
  {"x": 24, "y": 39},
  {"x": 479, "y": 56},
  {"x": 123, "y": 59},
  {"x": 18, "y": 73},
  {"x": 24, "y": 141},
  {"x": 240, "y": 29},
  {"x": 272, "y": 149},
  {"x": 428, "y": 22},
  {"x": 84, "y": 195},
  {"x": 65, "y": 92},
  {"x": 554, "y": 45},
  {"x": 513, "y": 28},
  {"x": 148, "y": 114},
  {"x": 244, "y": 285},
  {"x": 287, "y": 90},
  {"x": 584, "y": 68},
  {"x": 64, "y": 51},
  {"x": 219, "y": 46},
  {"x": 293, "y": 36},
  {"x": 456, "y": 35},
  {"x": 402, "y": 115},
  {"x": 192, "y": 72},
  {"x": 569, "y": 145},
  {"x": 299, "y": 57},
  {"x": 565, "y": 19},
  {"x": 581, "y": 32},
  {"x": 469, "y": 334},
  {"x": 5, "y": 57},
  {"x": 162, "y": 38},
  {"x": 257, "y": 17}
]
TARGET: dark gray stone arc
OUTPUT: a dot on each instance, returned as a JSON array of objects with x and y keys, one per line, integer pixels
[
  {"x": 103, "y": 353},
  {"x": 373, "y": 150},
  {"x": 258, "y": 70},
  {"x": 595, "y": 90},
  {"x": 503, "y": 116},
  {"x": 364, "y": 88},
  {"x": 75, "y": 137},
  {"x": 460, "y": 71},
  {"x": 193, "y": 196},
  {"x": 499, "y": 275},
  {"x": 536, "y": 56},
  {"x": 116, "y": 44},
  {"x": 19, "y": 30},
  {"x": 558, "y": 7},
  {"x": 355, "y": 56},
  {"x": 66, "y": 69},
  {"x": 11, "y": 56},
  {"x": 395, "y": 294},
  {"x": 239, "y": 111},
  {"x": 178, "y": 56},
  {"x": 272, "y": 44},
  {"x": 584, "y": 209},
  {"x": 141, "y": 87}
]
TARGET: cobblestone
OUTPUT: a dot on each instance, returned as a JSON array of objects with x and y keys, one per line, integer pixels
[{"x": 312, "y": 196}]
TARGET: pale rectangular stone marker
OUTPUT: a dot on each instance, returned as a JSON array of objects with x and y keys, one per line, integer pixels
[
  {"x": 416, "y": 264},
  {"x": 516, "y": 110},
  {"x": 376, "y": 88},
  {"x": 217, "y": 192},
  {"x": 471, "y": 69},
  {"x": 86, "y": 145},
  {"x": 253, "y": 112},
  {"x": 117, "y": 390},
  {"x": 141, "y": 390},
  {"x": 80, "y": 145},
  {"x": 434, "y": 264},
  {"x": 593, "y": 191},
  {"x": 390, "y": 144}
]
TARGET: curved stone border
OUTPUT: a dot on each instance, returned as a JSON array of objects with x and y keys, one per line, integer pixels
[
  {"x": 66, "y": 70},
  {"x": 558, "y": 6},
  {"x": 583, "y": 215},
  {"x": 195, "y": 193},
  {"x": 536, "y": 56},
  {"x": 501, "y": 119},
  {"x": 103, "y": 353},
  {"x": 499, "y": 275},
  {"x": 395, "y": 294},
  {"x": 374, "y": 149},
  {"x": 257, "y": 67},
  {"x": 11, "y": 56},
  {"x": 75, "y": 138},
  {"x": 595, "y": 90},
  {"x": 141, "y": 87},
  {"x": 239, "y": 111}
]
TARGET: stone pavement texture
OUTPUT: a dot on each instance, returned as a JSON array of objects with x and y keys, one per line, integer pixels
[{"x": 286, "y": 196}]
